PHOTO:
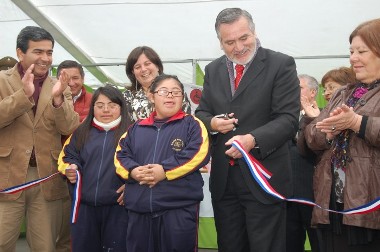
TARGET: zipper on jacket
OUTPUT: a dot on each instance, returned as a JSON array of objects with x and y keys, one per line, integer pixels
[
  {"x": 100, "y": 169},
  {"x": 153, "y": 161}
]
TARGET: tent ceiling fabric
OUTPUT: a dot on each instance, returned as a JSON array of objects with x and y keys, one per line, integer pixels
[{"x": 103, "y": 32}]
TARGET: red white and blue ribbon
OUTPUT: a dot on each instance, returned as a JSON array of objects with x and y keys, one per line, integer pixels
[
  {"x": 76, "y": 198},
  {"x": 27, "y": 185},
  {"x": 261, "y": 176}
]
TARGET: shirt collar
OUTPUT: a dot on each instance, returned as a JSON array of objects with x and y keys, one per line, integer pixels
[{"x": 75, "y": 98}]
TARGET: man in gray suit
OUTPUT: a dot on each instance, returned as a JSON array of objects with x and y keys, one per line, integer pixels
[{"x": 258, "y": 92}]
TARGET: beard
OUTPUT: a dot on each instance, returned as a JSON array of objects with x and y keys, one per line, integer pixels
[{"x": 246, "y": 61}]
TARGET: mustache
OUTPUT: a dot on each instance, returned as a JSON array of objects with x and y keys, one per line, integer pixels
[{"x": 242, "y": 51}]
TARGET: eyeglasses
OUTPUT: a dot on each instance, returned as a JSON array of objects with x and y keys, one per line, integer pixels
[
  {"x": 110, "y": 105},
  {"x": 164, "y": 92},
  {"x": 331, "y": 86}
]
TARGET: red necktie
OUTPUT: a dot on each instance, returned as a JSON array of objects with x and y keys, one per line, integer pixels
[{"x": 239, "y": 73}]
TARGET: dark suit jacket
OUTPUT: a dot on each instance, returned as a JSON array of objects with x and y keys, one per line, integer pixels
[
  {"x": 303, "y": 162},
  {"x": 267, "y": 106}
]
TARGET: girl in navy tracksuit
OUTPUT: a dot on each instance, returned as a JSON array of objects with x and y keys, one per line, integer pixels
[
  {"x": 160, "y": 157},
  {"x": 102, "y": 220}
]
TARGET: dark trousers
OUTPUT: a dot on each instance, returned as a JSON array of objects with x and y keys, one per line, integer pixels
[
  {"x": 331, "y": 242},
  {"x": 298, "y": 222},
  {"x": 170, "y": 230},
  {"x": 100, "y": 228},
  {"x": 243, "y": 223}
]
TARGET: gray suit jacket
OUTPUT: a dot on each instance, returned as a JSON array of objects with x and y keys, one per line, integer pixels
[{"x": 267, "y": 104}]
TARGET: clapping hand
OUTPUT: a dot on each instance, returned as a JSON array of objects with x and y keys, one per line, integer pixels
[
  {"x": 311, "y": 108},
  {"x": 59, "y": 87},
  {"x": 27, "y": 81},
  {"x": 340, "y": 118}
]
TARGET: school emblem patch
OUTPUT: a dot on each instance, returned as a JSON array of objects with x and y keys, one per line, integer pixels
[{"x": 177, "y": 144}]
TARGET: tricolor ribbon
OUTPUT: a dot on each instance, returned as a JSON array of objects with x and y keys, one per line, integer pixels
[
  {"x": 76, "y": 198},
  {"x": 261, "y": 176},
  {"x": 27, "y": 185}
]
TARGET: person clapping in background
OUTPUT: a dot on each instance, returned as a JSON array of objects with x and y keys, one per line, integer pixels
[
  {"x": 348, "y": 134},
  {"x": 335, "y": 79}
]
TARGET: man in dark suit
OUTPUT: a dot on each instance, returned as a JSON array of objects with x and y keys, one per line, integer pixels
[
  {"x": 303, "y": 161},
  {"x": 262, "y": 103}
]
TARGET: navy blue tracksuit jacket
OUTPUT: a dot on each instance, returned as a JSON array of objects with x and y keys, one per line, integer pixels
[{"x": 180, "y": 145}]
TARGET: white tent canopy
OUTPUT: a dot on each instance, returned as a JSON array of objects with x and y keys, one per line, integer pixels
[{"x": 101, "y": 33}]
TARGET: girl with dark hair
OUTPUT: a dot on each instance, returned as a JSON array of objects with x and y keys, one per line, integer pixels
[
  {"x": 143, "y": 65},
  {"x": 102, "y": 221},
  {"x": 159, "y": 158}
]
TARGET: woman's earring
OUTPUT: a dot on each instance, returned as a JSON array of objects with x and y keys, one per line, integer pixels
[{"x": 136, "y": 85}]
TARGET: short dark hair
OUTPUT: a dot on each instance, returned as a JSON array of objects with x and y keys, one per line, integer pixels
[
  {"x": 156, "y": 82},
  {"x": 115, "y": 95},
  {"x": 70, "y": 64},
  {"x": 32, "y": 33},
  {"x": 134, "y": 56}
]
